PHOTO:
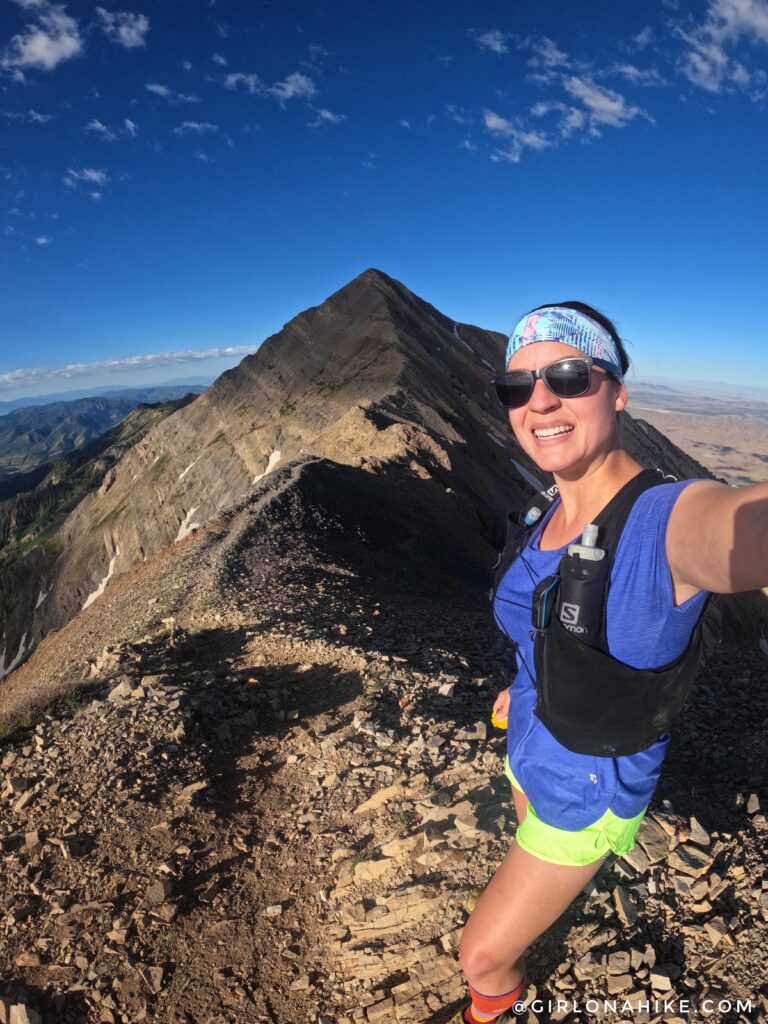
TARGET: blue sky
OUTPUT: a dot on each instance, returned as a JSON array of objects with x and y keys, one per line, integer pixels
[{"x": 178, "y": 179}]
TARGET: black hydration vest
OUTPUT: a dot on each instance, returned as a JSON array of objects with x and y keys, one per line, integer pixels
[{"x": 591, "y": 702}]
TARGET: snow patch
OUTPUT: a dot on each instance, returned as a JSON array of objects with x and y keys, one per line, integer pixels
[
  {"x": 459, "y": 338},
  {"x": 526, "y": 475},
  {"x": 103, "y": 585},
  {"x": 42, "y": 596},
  {"x": 498, "y": 442},
  {"x": 187, "y": 525},
  {"x": 274, "y": 458},
  {"x": 182, "y": 475},
  {"x": 6, "y": 669}
]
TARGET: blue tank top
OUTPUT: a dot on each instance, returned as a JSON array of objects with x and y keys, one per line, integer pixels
[{"x": 644, "y": 630}]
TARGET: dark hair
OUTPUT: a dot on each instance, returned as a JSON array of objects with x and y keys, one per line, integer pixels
[{"x": 602, "y": 319}]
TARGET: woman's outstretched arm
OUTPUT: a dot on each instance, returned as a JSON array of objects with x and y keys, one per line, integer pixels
[{"x": 717, "y": 537}]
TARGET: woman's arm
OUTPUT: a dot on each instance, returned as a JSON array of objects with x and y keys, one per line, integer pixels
[{"x": 717, "y": 537}]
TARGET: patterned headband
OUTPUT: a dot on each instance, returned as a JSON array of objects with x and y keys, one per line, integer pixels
[{"x": 557, "y": 323}]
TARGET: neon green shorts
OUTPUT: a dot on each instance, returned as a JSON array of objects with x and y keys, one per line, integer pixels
[{"x": 609, "y": 834}]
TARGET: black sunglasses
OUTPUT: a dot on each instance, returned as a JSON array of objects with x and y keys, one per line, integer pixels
[{"x": 566, "y": 378}]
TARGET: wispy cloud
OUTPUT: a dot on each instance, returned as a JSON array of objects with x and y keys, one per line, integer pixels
[
  {"x": 326, "y": 117},
  {"x": 166, "y": 93},
  {"x": 218, "y": 59},
  {"x": 492, "y": 40},
  {"x": 40, "y": 374},
  {"x": 196, "y": 128},
  {"x": 644, "y": 38},
  {"x": 131, "y": 128},
  {"x": 294, "y": 86},
  {"x": 458, "y": 114},
  {"x": 124, "y": 27},
  {"x": 603, "y": 106},
  {"x": 251, "y": 83},
  {"x": 638, "y": 76},
  {"x": 51, "y": 38},
  {"x": 545, "y": 53},
  {"x": 90, "y": 178},
  {"x": 583, "y": 108},
  {"x": 43, "y": 240},
  {"x": 517, "y": 137},
  {"x": 29, "y": 116},
  {"x": 95, "y": 127},
  {"x": 708, "y": 62}
]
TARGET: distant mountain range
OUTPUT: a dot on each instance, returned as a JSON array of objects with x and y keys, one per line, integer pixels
[
  {"x": 373, "y": 393},
  {"x": 164, "y": 392},
  {"x": 35, "y": 434}
]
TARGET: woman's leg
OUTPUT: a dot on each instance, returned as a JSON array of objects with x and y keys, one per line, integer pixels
[
  {"x": 521, "y": 803},
  {"x": 524, "y": 897}
]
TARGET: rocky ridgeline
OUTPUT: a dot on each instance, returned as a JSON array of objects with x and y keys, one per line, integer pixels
[{"x": 293, "y": 833}]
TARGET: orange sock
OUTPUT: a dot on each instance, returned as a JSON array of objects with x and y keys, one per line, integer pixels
[{"x": 488, "y": 1008}]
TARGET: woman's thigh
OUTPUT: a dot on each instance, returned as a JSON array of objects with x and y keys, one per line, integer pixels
[
  {"x": 521, "y": 803},
  {"x": 525, "y": 896}
]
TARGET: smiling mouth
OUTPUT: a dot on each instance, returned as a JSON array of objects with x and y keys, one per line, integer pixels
[{"x": 546, "y": 432}]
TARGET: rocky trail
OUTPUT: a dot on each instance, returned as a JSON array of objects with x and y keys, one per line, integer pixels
[{"x": 271, "y": 802}]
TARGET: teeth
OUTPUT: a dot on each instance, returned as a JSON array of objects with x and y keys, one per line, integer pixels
[{"x": 551, "y": 431}]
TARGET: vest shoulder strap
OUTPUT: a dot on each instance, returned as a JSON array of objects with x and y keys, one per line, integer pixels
[{"x": 611, "y": 522}]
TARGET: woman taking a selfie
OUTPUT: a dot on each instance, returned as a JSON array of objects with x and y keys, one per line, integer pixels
[{"x": 587, "y": 720}]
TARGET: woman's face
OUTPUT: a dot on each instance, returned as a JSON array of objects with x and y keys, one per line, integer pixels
[{"x": 591, "y": 417}]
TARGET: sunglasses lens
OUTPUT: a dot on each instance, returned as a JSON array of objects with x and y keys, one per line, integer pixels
[
  {"x": 568, "y": 378},
  {"x": 514, "y": 389}
]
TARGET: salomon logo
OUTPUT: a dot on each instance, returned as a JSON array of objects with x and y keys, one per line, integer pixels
[{"x": 569, "y": 614}]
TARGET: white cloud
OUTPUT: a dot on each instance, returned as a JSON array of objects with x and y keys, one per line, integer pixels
[
  {"x": 202, "y": 157},
  {"x": 294, "y": 86},
  {"x": 457, "y": 114},
  {"x": 638, "y": 76},
  {"x": 707, "y": 62},
  {"x": 218, "y": 59},
  {"x": 28, "y": 116},
  {"x": 494, "y": 41},
  {"x": 251, "y": 83},
  {"x": 26, "y": 377},
  {"x": 643, "y": 38},
  {"x": 570, "y": 119},
  {"x": 95, "y": 127},
  {"x": 405, "y": 124},
  {"x": 164, "y": 92},
  {"x": 52, "y": 38},
  {"x": 87, "y": 176},
  {"x": 546, "y": 54},
  {"x": 124, "y": 27},
  {"x": 518, "y": 137},
  {"x": 196, "y": 128},
  {"x": 131, "y": 128},
  {"x": 326, "y": 117},
  {"x": 43, "y": 240},
  {"x": 604, "y": 106}
]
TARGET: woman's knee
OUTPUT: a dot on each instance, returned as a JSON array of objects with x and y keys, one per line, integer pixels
[{"x": 479, "y": 958}]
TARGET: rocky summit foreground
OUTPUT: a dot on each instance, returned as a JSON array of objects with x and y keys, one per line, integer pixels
[{"x": 258, "y": 781}]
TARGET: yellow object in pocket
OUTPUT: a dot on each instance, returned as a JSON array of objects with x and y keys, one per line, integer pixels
[{"x": 498, "y": 723}]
